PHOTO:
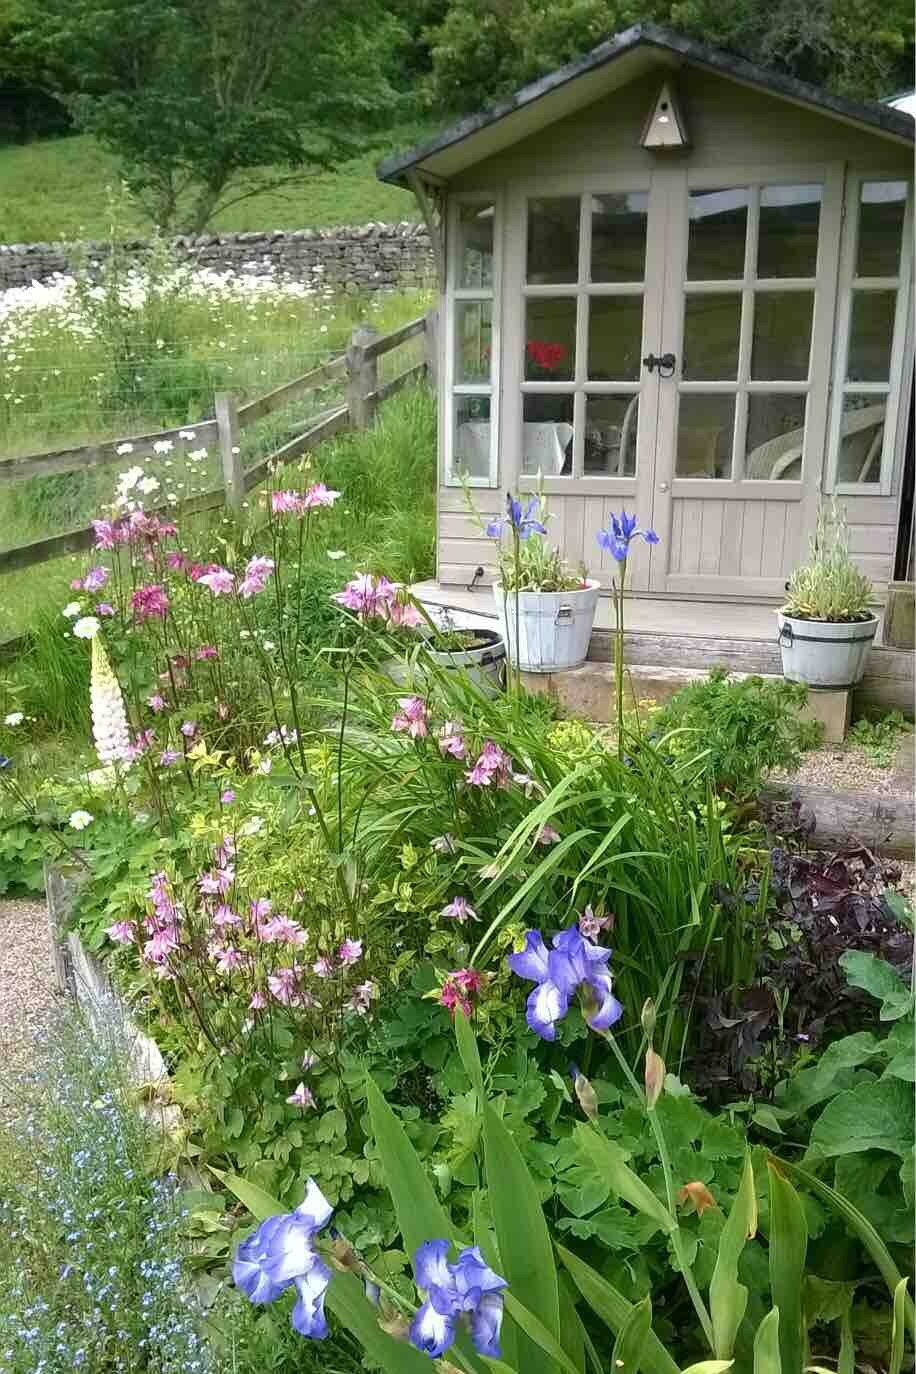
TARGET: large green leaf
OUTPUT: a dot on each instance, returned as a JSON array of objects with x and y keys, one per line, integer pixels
[
  {"x": 608, "y": 1158},
  {"x": 260, "y": 1204},
  {"x": 632, "y": 1338},
  {"x": 873, "y": 1116},
  {"x": 862, "y": 1228},
  {"x": 613, "y": 1309},
  {"x": 766, "y": 1345},
  {"x": 420, "y": 1215},
  {"x": 523, "y": 1239},
  {"x": 728, "y": 1297},
  {"x": 897, "y": 1329},
  {"x": 881, "y": 980},
  {"x": 533, "y": 1330},
  {"x": 788, "y": 1250}
]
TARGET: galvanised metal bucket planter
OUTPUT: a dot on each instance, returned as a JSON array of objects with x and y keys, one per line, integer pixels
[
  {"x": 483, "y": 663},
  {"x": 825, "y": 653},
  {"x": 554, "y": 628}
]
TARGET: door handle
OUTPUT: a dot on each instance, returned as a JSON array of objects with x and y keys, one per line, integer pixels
[
  {"x": 663, "y": 486},
  {"x": 665, "y": 363}
]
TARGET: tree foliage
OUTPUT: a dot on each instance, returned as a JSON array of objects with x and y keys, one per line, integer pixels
[
  {"x": 483, "y": 49},
  {"x": 207, "y": 104}
]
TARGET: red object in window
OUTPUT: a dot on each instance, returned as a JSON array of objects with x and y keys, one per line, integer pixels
[{"x": 548, "y": 356}]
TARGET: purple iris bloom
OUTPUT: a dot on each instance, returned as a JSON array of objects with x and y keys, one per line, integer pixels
[
  {"x": 468, "y": 1286},
  {"x": 282, "y": 1252},
  {"x": 574, "y": 964},
  {"x": 620, "y": 532},
  {"x": 524, "y": 525}
]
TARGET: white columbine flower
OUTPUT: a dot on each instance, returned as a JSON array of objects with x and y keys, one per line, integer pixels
[
  {"x": 87, "y": 627},
  {"x": 109, "y": 720},
  {"x": 71, "y": 609},
  {"x": 80, "y": 819},
  {"x": 14, "y": 718}
]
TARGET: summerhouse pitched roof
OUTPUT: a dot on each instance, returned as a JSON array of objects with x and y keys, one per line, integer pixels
[{"x": 623, "y": 58}]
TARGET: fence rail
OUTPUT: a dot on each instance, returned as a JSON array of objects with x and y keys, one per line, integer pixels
[{"x": 358, "y": 366}]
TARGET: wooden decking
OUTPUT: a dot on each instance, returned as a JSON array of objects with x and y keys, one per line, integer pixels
[{"x": 698, "y": 635}]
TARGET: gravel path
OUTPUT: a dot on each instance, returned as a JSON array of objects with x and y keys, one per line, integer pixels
[
  {"x": 848, "y": 768},
  {"x": 28, "y": 994}
]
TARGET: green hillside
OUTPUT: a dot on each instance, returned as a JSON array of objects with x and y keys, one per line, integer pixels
[{"x": 57, "y": 190}]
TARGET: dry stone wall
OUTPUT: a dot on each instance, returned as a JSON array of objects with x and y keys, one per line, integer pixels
[{"x": 367, "y": 257}]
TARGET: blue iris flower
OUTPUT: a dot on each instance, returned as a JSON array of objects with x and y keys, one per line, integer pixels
[
  {"x": 574, "y": 964},
  {"x": 469, "y": 1286},
  {"x": 524, "y": 524},
  {"x": 621, "y": 531},
  {"x": 5, "y": 761},
  {"x": 282, "y": 1252}
]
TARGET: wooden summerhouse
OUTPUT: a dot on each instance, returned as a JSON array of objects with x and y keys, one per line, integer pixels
[{"x": 680, "y": 283}]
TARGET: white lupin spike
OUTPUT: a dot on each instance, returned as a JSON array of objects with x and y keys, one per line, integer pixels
[{"x": 109, "y": 719}]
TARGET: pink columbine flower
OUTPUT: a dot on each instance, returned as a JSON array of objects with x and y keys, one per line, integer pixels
[
  {"x": 189, "y": 728},
  {"x": 157, "y": 702},
  {"x": 122, "y": 933},
  {"x": 227, "y": 797},
  {"x": 206, "y": 651},
  {"x": 258, "y": 1002},
  {"x": 411, "y": 718},
  {"x": 459, "y": 909},
  {"x": 492, "y": 765},
  {"x": 323, "y": 967},
  {"x": 261, "y": 908},
  {"x": 364, "y": 994},
  {"x": 283, "y": 930},
  {"x": 350, "y": 951},
  {"x": 95, "y": 578},
  {"x": 224, "y": 916},
  {"x": 451, "y": 739},
  {"x": 458, "y": 989},
  {"x": 284, "y": 985},
  {"x": 591, "y": 925},
  {"x": 404, "y": 615},
  {"x": 219, "y": 580},
  {"x": 547, "y": 835},
  {"x": 302, "y": 1097},
  {"x": 228, "y": 959},
  {"x": 168, "y": 757},
  {"x": 175, "y": 561},
  {"x": 367, "y": 596},
  {"x": 150, "y": 603},
  {"x": 444, "y": 844},
  {"x": 139, "y": 745},
  {"x": 319, "y": 495},
  {"x": 257, "y": 571},
  {"x": 105, "y": 537},
  {"x": 104, "y": 608},
  {"x": 285, "y": 502}
]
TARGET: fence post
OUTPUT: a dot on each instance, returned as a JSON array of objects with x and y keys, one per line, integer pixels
[
  {"x": 227, "y": 421},
  {"x": 431, "y": 340},
  {"x": 362, "y": 377}
]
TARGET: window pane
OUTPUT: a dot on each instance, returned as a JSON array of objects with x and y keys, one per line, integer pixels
[
  {"x": 881, "y": 207},
  {"x": 718, "y": 229},
  {"x": 711, "y": 328},
  {"x": 782, "y": 335},
  {"x": 619, "y": 236},
  {"x": 475, "y": 245},
  {"x": 787, "y": 235},
  {"x": 553, "y": 240},
  {"x": 871, "y": 331},
  {"x": 775, "y": 433},
  {"x": 473, "y": 340},
  {"x": 550, "y": 339},
  {"x": 547, "y": 434},
  {"x": 610, "y": 435},
  {"x": 705, "y": 428},
  {"x": 472, "y": 436},
  {"x": 861, "y": 438},
  {"x": 614, "y": 338}
]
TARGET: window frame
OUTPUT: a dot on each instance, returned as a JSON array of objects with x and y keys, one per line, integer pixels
[
  {"x": 454, "y": 295},
  {"x": 848, "y": 285}
]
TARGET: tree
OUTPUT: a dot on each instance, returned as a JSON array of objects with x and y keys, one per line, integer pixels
[
  {"x": 484, "y": 49},
  {"x": 208, "y": 102}
]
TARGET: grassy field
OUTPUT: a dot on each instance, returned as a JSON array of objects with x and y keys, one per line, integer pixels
[{"x": 56, "y": 190}]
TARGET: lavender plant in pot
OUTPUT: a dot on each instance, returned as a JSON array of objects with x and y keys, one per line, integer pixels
[{"x": 826, "y": 627}]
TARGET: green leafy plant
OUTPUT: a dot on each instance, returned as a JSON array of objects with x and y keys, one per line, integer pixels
[
  {"x": 829, "y": 586},
  {"x": 748, "y": 727},
  {"x": 879, "y": 738}
]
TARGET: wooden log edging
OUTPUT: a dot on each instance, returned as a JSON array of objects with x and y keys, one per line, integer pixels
[{"x": 883, "y": 823}]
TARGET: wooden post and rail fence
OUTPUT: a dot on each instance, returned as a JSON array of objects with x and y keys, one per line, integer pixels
[{"x": 358, "y": 368}]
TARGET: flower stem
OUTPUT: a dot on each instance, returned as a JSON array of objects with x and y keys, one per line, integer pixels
[
  {"x": 518, "y": 580},
  {"x": 618, "y": 657}
]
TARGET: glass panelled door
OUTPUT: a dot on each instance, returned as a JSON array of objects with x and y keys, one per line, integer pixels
[{"x": 748, "y": 314}]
